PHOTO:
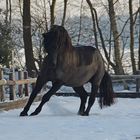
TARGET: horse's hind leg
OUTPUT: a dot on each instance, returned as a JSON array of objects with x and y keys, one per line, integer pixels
[
  {"x": 83, "y": 96},
  {"x": 91, "y": 101},
  {"x": 39, "y": 84},
  {"x": 56, "y": 86}
]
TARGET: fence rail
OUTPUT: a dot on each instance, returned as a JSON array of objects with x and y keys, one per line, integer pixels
[
  {"x": 4, "y": 82},
  {"x": 24, "y": 81},
  {"x": 125, "y": 76}
]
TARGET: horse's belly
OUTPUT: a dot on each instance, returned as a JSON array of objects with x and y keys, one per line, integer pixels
[
  {"x": 75, "y": 82},
  {"x": 76, "y": 77}
]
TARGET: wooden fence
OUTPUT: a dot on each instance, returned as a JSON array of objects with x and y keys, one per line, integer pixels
[
  {"x": 22, "y": 84},
  {"x": 12, "y": 82}
]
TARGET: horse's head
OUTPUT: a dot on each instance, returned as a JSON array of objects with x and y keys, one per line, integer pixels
[{"x": 56, "y": 38}]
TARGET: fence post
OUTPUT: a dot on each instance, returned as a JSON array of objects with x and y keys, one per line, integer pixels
[
  {"x": 138, "y": 84},
  {"x": 1, "y": 87},
  {"x": 12, "y": 87},
  {"x": 20, "y": 87},
  {"x": 26, "y": 85}
]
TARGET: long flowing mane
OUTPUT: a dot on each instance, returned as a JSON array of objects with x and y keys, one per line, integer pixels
[
  {"x": 59, "y": 36},
  {"x": 58, "y": 40}
]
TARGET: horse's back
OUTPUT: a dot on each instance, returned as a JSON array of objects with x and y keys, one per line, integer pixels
[{"x": 87, "y": 55}]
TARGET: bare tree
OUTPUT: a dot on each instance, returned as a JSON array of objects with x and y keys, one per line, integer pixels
[
  {"x": 10, "y": 11},
  {"x": 52, "y": 8},
  {"x": 45, "y": 14},
  {"x": 30, "y": 63},
  {"x": 80, "y": 22},
  {"x": 6, "y": 12},
  {"x": 139, "y": 42},
  {"x": 94, "y": 22},
  {"x": 64, "y": 13},
  {"x": 139, "y": 53},
  {"x": 117, "y": 45},
  {"x": 132, "y": 36}
]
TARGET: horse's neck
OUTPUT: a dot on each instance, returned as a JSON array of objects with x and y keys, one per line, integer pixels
[{"x": 65, "y": 56}]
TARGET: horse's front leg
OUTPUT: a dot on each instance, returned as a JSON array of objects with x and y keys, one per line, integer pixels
[
  {"x": 56, "y": 86},
  {"x": 39, "y": 84}
]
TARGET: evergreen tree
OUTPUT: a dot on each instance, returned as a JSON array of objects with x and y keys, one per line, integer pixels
[{"x": 6, "y": 44}]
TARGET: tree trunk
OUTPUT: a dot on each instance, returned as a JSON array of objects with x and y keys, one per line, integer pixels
[
  {"x": 64, "y": 13},
  {"x": 52, "y": 7},
  {"x": 6, "y": 13},
  {"x": 10, "y": 11},
  {"x": 117, "y": 46},
  {"x": 139, "y": 53},
  {"x": 94, "y": 22},
  {"x": 30, "y": 63},
  {"x": 132, "y": 37},
  {"x": 80, "y": 23},
  {"x": 139, "y": 43},
  {"x": 45, "y": 15}
]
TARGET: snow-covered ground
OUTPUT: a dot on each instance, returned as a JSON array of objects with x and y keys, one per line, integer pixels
[{"x": 59, "y": 121}]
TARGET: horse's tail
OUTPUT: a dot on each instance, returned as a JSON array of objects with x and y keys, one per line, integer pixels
[{"x": 106, "y": 97}]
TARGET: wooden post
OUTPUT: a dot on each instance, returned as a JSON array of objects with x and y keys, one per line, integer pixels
[
  {"x": 26, "y": 85},
  {"x": 20, "y": 87},
  {"x": 12, "y": 77},
  {"x": 138, "y": 84},
  {"x": 1, "y": 87},
  {"x": 12, "y": 87}
]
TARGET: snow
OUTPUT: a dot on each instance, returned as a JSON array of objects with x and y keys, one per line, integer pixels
[{"x": 59, "y": 121}]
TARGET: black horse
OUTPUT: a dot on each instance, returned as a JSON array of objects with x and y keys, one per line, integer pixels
[{"x": 71, "y": 66}]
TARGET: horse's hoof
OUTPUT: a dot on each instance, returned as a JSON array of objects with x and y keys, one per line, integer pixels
[
  {"x": 33, "y": 114},
  {"x": 80, "y": 113},
  {"x": 85, "y": 114},
  {"x": 23, "y": 114}
]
